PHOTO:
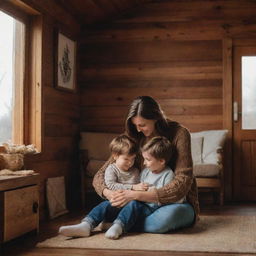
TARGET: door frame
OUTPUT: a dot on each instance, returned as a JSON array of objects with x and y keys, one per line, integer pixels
[
  {"x": 228, "y": 45},
  {"x": 227, "y": 104}
]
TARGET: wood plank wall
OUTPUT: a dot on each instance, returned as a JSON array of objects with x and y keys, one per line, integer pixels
[
  {"x": 171, "y": 50},
  {"x": 60, "y": 111}
]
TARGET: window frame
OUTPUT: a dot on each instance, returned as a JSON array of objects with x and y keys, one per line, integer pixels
[{"x": 27, "y": 117}]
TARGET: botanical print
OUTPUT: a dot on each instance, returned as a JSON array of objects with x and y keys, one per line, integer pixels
[
  {"x": 64, "y": 65},
  {"x": 66, "y": 62}
]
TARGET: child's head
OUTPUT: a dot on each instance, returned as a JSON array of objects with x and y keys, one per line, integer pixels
[
  {"x": 157, "y": 153},
  {"x": 123, "y": 150}
]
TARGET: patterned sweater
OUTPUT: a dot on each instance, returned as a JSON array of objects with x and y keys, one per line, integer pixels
[
  {"x": 184, "y": 182},
  {"x": 117, "y": 179}
]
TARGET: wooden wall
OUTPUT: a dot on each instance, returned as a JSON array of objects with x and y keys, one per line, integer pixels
[
  {"x": 60, "y": 110},
  {"x": 179, "y": 52},
  {"x": 171, "y": 50}
]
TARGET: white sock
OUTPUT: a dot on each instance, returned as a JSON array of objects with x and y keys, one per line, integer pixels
[
  {"x": 114, "y": 231},
  {"x": 82, "y": 229}
]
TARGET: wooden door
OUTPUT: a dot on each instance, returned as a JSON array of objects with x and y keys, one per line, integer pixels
[{"x": 244, "y": 123}]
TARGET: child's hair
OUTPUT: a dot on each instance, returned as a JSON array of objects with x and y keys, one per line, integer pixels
[
  {"x": 123, "y": 145},
  {"x": 159, "y": 147}
]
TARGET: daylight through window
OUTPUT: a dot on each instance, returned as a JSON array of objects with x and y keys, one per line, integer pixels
[{"x": 12, "y": 52}]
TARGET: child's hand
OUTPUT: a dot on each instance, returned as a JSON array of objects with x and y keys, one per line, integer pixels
[{"x": 140, "y": 186}]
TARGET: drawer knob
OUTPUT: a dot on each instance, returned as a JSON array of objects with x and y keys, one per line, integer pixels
[{"x": 35, "y": 207}]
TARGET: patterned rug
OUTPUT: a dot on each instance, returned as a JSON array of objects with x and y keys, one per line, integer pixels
[{"x": 235, "y": 234}]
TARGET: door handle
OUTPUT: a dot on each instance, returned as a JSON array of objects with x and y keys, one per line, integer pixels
[{"x": 235, "y": 111}]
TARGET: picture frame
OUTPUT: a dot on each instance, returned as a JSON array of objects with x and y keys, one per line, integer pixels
[{"x": 65, "y": 62}]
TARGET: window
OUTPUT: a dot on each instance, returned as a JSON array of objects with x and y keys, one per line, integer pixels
[
  {"x": 248, "y": 93},
  {"x": 11, "y": 72},
  {"x": 20, "y": 74}
]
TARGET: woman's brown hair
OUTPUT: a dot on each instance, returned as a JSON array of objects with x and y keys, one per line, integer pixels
[{"x": 147, "y": 108}]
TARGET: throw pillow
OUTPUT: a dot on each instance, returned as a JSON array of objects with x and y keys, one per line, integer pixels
[
  {"x": 206, "y": 170},
  {"x": 213, "y": 140},
  {"x": 196, "y": 149}
]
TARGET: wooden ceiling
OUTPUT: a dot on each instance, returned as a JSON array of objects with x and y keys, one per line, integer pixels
[{"x": 88, "y": 12}]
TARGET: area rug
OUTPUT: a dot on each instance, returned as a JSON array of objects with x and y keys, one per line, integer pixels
[{"x": 235, "y": 234}]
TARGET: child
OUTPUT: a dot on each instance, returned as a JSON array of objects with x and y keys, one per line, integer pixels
[
  {"x": 119, "y": 175},
  {"x": 156, "y": 153}
]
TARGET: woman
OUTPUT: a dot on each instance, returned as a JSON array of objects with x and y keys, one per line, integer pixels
[{"x": 144, "y": 121}]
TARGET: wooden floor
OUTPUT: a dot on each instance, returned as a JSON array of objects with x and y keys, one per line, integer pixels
[{"x": 25, "y": 245}]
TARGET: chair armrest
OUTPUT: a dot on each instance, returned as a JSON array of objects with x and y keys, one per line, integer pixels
[
  {"x": 83, "y": 162},
  {"x": 220, "y": 157},
  {"x": 220, "y": 152}
]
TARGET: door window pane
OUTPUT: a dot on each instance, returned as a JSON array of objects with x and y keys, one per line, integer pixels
[{"x": 248, "y": 92}]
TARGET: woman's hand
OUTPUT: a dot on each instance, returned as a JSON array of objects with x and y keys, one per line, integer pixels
[
  {"x": 108, "y": 193},
  {"x": 121, "y": 197}
]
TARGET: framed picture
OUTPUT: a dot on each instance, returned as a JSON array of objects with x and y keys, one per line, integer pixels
[{"x": 65, "y": 63}]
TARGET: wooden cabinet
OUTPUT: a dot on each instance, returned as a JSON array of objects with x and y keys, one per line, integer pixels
[{"x": 19, "y": 206}]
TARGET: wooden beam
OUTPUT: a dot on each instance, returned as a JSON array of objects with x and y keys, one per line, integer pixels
[
  {"x": 24, "y": 7},
  {"x": 227, "y": 114}
]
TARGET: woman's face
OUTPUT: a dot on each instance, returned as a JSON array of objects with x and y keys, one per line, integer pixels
[{"x": 146, "y": 126}]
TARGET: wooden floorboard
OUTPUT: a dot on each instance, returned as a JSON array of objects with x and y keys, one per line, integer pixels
[{"x": 25, "y": 245}]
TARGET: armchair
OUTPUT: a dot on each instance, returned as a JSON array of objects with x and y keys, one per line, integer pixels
[{"x": 207, "y": 155}]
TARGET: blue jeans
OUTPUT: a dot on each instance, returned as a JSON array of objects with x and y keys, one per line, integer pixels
[
  {"x": 168, "y": 218},
  {"x": 126, "y": 216},
  {"x": 137, "y": 216}
]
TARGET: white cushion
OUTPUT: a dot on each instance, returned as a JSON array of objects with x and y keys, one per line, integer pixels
[
  {"x": 206, "y": 170},
  {"x": 97, "y": 144},
  {"x": 213, "y": 140},
  {"x": 93, "y": 166},
  {"x": 196, "y": 149}
]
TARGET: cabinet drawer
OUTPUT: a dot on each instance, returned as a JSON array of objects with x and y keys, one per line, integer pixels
[{"x": 20, "y": 211}]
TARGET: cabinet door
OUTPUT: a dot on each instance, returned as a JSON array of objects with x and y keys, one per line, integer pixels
[{"x": 20, "y": 211}]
